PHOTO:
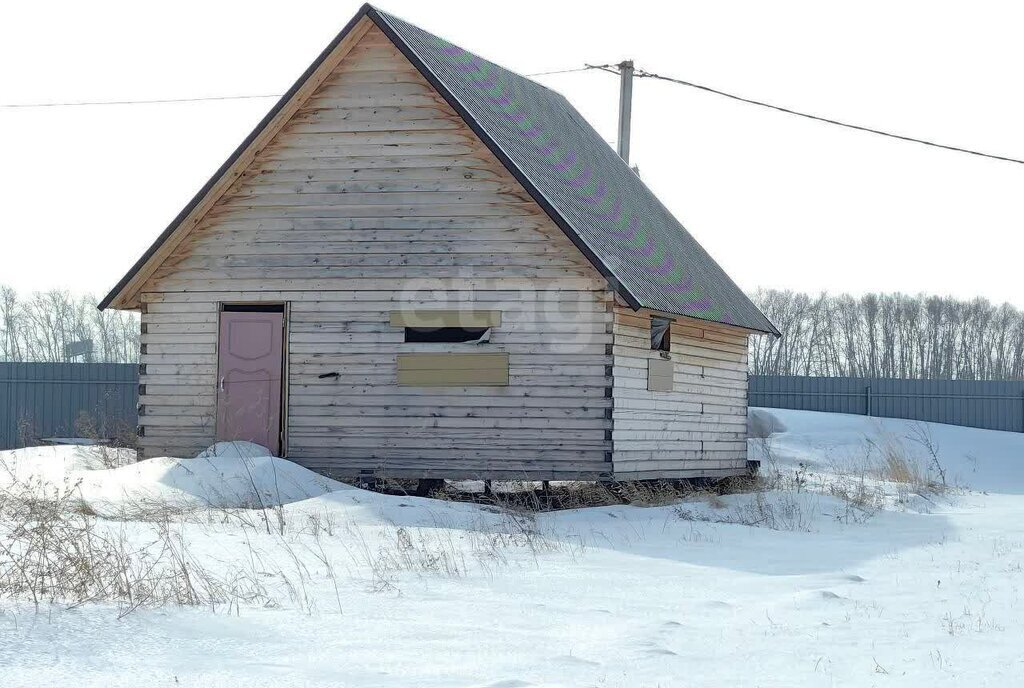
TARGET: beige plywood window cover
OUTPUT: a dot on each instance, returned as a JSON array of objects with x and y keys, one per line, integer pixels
[
  {"x": 445, "y": 318},
  {"x": 453, "y": 370},
  {"x": 660, "y": 375}
]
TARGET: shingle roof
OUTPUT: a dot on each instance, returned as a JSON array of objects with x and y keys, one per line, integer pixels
[
  {"x": 595, "y": 194},
  {"x": 591, "y": 193}
]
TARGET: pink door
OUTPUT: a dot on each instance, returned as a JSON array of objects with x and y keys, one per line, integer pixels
[{"x": 249, "y": 381}]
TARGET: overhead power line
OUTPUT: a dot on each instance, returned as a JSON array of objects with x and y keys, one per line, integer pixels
[
  {"x": 200, "y": 99},
  {"x": 611, "y": 68},
  {"x": 561, "y": 71},
  {"x": 136, "y": 102},
  {"x": 639, "y": 73}
]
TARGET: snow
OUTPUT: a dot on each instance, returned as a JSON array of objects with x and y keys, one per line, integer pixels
[
  {"x": 230, "y": 474},
  {"x": 922, "y": 589},
  {"x": 986, "y": 460}
]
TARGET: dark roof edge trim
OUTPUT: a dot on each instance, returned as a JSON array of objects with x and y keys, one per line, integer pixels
[
  {"x": 499, "y": 152},
  {"x": 232, "y": 159}
]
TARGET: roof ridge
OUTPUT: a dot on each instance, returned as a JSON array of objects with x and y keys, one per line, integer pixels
[
  {"x": 652, "y": 258},
  {"x": 601, "y": 205}
]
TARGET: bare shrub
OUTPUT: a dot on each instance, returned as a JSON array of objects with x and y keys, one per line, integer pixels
[{"x": 921, "y": 434}]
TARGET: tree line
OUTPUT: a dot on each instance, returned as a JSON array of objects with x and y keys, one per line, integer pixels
[
  {"x": 889, "y": 335},
  {"x": 875, "y": 335},
  {"x": 46, "y": 326}
]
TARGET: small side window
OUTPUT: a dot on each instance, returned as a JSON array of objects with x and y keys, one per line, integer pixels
[
  {"x": 661, "y": 334},
  {"x": 447, "y": 334}
]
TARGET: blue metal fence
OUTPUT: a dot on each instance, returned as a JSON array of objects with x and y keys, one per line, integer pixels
[
  {"x": 41, "y": 400},
  {"x": 990, "y": 404}
]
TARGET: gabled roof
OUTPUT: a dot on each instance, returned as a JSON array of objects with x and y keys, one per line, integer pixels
[{"x": 647, "y": 256}]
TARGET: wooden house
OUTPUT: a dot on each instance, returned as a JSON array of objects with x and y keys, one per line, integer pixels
[{"x": 422, "y": 265}]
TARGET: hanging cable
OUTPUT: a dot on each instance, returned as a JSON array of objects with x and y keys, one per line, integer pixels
[
  {"x": 639, "y": 73},
  {"x": 559, "y": 71},
  {"x": 158, "y": 101},
  {"x": 611, "y": 68},
  {"x": 135, "y": 102}
]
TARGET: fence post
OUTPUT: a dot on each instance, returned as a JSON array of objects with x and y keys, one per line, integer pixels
[
  {"x": 867, "y": 400},
  {"x": 1022, "y": 410}
]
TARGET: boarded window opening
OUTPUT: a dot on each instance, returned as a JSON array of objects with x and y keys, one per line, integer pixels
[
  {"x": 660, "y": 375},
  {"x": 447, "y": 334},
  {"x": 253, "y": 307},
  {"x": 661, "y": 334},
  {"x": 453, "y": 370}
]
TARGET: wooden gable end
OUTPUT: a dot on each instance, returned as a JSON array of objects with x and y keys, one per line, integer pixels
[{"x": 374, "y": 177}]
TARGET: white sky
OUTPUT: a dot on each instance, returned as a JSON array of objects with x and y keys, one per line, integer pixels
[{"x": 777, "y": 200}]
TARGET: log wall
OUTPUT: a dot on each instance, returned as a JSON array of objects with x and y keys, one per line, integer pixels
[
  {"x": 699, "y": 428},
  {"x": 377, "y": 197}
]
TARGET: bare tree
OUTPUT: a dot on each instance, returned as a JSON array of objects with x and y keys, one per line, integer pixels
[
  {"x": 889, "y": 335},
  {"x": 41, "y": 326}
]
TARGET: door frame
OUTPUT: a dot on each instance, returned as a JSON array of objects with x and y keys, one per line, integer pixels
[{"x": 283, "y": 307}]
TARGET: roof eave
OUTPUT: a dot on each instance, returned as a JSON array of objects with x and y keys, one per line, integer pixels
[{"x": 748, "y": 329}]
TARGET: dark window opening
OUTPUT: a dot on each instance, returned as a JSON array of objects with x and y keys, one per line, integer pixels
[
  {"x": 661, "y": 334},
  {"x": 253, "y": 307},
  {"x": 446, "y": 334}
]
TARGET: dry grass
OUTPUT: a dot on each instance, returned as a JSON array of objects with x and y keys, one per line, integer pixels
[
  {"x": 496, "y": 539},
  {"x": 116, "y": 433},
  {"x": 53, "y": 547},
  {"x": 775, "y": 510},
  {"x": 52, "y": 550},
  {"x": 895, "y": 462},
  {"x": 56, "y": 548},
  {"x": 526, "y": 496}
]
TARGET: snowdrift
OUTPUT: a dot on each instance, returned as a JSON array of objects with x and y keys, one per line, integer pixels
[
  {"x": 984, "y": 460},
  {"x": 227, "y": 475}
]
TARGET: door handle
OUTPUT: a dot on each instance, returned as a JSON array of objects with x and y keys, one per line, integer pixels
[{"x": 222, "y": 383}]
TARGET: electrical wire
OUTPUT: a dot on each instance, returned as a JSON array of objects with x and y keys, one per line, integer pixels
[
  {"x": 651, "y": 75},
  {"x": 560, "y": 71},
  {"x": 610, "y": 68},
  {"x": 136, "y": 102},
  {"x": 240, "y": 97}
]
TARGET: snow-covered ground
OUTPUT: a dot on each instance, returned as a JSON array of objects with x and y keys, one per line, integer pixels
[{"x": 836, "y": 577}]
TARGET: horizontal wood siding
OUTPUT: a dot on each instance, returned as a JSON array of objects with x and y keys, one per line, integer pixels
[
  {"x": 376, "y": 198},
  {"x": 433, "y": 317},
  {"x": 699, "y": 428}
]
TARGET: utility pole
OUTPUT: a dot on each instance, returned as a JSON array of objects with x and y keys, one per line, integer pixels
[{"x": 625, "y": 106}]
